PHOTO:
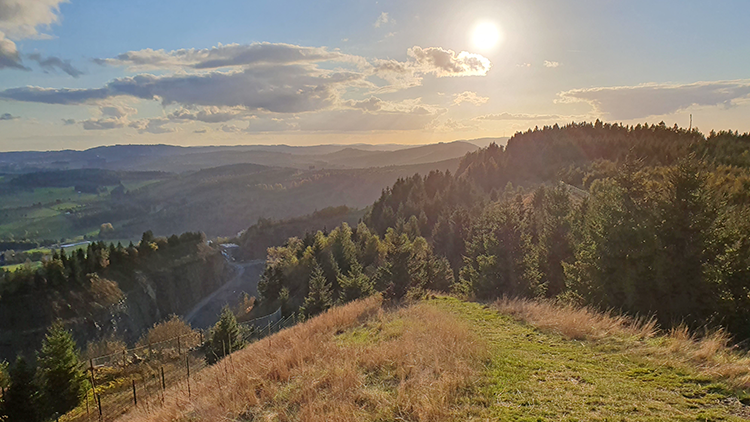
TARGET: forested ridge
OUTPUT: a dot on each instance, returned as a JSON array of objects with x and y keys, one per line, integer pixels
[{"x": 645, "y": 219}]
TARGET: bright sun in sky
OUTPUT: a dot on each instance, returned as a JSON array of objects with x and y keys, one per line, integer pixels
[{"x": 486, "y": 35}]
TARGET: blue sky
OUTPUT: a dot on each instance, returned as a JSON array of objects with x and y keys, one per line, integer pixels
[{"x": 360, "y": 71}]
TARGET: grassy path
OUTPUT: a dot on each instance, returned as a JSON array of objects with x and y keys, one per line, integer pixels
[{"x": 535, "y": 376}]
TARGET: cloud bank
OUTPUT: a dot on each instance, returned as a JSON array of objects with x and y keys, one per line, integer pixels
[{"x": 633, "y": 102}]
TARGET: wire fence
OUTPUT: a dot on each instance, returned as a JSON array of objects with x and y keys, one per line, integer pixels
[{"x": 139, "y": 377}]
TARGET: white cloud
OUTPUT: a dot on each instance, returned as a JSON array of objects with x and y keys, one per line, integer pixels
[
  {"x": 450, "y": 125},
  {"x": 226, "y": 56},
  {"x": 632, "y": 102},
  {"x": 383, "y": 19},
  {"x": 110, "y": 117},
  {"x": 117, "y": 111},
  {"x": 9, "y": 57},
  {"x": 155, "y": 126},
  {"x": 270, "y": 125},
  {"x": 521, "y": 116},
  {"x": 447, "y": 63},
  {"x": 209, "y": 114},
  {"x": 103, "y": 124},
  {"x": 469, "y": 97},
  {"x": 548, "y": 63},
  {"x": 230, "y": 129},
  {"x": 21, "y": 19}
]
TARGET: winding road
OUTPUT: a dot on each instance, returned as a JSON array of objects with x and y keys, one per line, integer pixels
[{"x": 206, "y": 312}]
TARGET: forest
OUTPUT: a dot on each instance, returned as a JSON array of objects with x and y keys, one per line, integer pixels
[{"x": 647, "y": 220}]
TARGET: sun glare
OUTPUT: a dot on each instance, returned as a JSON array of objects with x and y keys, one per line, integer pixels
[{"x": 486, "y": 36}]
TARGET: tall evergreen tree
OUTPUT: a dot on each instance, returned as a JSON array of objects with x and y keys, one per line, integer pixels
[
  {"x": 226, "y": 337},
  {"x": 354, "y": 285},
  {"x": 61, "y": 375},
  {"x": 22, "y": 398},
  {"x": 319, "y": 296}
]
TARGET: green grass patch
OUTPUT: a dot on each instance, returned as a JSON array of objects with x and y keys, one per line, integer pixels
[{"x": 534, "y": 376}]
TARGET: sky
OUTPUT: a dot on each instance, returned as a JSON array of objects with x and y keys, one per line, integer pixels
[{"x": 83, "y": 73}]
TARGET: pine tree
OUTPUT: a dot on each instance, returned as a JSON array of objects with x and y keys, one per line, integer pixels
[
  {"x": 226, "y": 337},
  {"x": 21, "y": 400},
  {"x": 63, "y": 381},
  {"x": 355, "y": 285},
  {"x": 319, "y": 297}
]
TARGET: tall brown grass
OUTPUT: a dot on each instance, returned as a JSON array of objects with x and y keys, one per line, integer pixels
[
  {"x": 711, "y": 353},
  {"x": 353, "y": 363}
]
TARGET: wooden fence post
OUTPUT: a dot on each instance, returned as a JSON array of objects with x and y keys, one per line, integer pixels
[
  {"x": 163, "y": 385},
  {"x": 93, "y": 388},
  {"x": 187, "y": 363},
  {"x": 179, "y": 349},
  {"x": 135, "y": 397}
]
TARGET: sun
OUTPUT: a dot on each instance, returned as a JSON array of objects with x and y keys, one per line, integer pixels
[{"x": 486, "y": 35}]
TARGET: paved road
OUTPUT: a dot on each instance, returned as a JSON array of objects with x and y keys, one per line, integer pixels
[{"x": 206, "y": 313}]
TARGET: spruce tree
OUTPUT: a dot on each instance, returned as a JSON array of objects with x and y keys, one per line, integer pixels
[
  {"x": 226, "y": 337},
  {"x": 21, "y": 400},
  {"x": 355, "y": 285},
  {"x": 319, "y": 297},
  {"x": 62, "y": 379}
]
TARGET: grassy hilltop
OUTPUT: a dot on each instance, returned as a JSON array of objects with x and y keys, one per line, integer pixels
[{"x": 446, "y": 359}]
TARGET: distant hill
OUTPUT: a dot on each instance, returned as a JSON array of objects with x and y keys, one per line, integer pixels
[
  {"x": 181, "y": 159},
  {"x": 356, "y": 158},
  {"x": 224, "y": 200},
  {"x": 484, "y": 142}
]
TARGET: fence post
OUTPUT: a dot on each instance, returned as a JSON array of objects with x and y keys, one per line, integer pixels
[
  {"x": 93, "y": 388},
  {"x": 187, "y": 363},
  {"x": 179, "y": 349},
  {"x": 135, "y": 397},
  {"x": 163, "y": 385}
]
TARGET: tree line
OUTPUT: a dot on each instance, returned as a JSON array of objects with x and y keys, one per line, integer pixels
[{"x": 645, "y": 219}]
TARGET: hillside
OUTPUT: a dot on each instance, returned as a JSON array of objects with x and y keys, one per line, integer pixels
[
  {"x": 219, "y": 201},
  {"x": 106, "y": 290},
  {"x": 443, "y": 359}
]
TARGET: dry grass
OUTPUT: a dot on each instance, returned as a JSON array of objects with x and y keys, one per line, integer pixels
[
  {"x": 577, "y": 323},
  {"x": 711, "y": 354},
  {"x": 353, "y": 363}
]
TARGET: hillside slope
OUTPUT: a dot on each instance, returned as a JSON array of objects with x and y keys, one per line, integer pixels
[{"x": 444, "y": 359}]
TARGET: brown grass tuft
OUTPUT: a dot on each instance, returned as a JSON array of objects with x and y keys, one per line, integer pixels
[
  {"x": 574, "y": 322},
  {"x": 353, "y": 363}
]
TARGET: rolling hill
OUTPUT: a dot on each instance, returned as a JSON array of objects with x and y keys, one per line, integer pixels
[{"x": 444, "y": 359}]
